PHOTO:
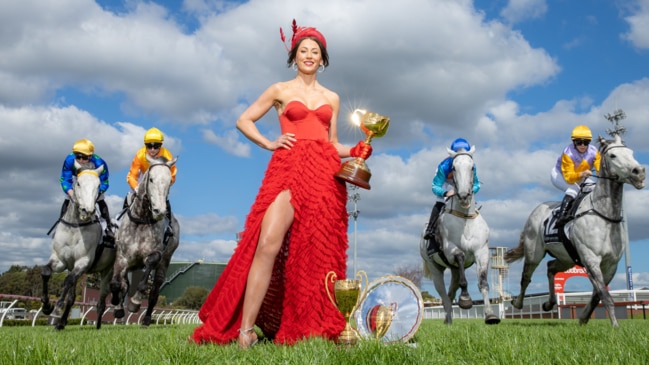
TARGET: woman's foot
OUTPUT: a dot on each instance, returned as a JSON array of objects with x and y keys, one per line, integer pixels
[{"x": 247, "y": 338}]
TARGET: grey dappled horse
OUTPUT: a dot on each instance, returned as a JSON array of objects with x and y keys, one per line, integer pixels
[
  {"x": 596, "y": 231},
  {"x": 140, "y": 239},
  {"x": 464, "y": 241},
  {"x": 76, "y": 247}
]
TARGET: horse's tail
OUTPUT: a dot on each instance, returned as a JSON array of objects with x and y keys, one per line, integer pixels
[
  {"x": 427, "y": 272},
  {"x": 423, "y": 251},
  {"x": 516, "y": 253}
]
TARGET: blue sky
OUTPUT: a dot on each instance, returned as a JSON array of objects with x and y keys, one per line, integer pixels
[{"x": 513, "y": 77}]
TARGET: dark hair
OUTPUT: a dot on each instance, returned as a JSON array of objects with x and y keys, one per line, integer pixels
[{"x": 293, "y": 52}]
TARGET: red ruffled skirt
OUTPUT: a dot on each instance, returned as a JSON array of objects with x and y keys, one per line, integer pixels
[{"x": 296, "y": 305}]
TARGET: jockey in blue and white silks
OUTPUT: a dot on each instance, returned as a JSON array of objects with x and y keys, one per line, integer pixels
[
  {"x": 575, "y": 166},
  {"x": 443, "y": 180},
  {"x": 443, "y": 187},
  {"x": 83, "y": 152}
]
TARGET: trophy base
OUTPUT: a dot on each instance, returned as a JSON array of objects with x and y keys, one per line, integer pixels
[
  {"x": 347, "y": 336},
  {"x": 355, "y": 172}
]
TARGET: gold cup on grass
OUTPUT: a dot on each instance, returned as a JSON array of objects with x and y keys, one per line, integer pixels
[
  {"x": 355, "y": 171},
  {"x": 347, "y": 295}
]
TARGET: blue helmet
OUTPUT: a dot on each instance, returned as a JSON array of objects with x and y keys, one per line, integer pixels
[{"x": 460, "y": 143}]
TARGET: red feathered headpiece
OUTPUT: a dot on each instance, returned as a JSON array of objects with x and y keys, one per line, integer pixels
[{"x": 302, "y": 32}]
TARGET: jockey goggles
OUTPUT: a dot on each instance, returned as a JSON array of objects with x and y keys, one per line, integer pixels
[
  {"x": 581, "y": 142},
  {"x": 81, "y": 156},
  {"x": 153, "y": 146}
]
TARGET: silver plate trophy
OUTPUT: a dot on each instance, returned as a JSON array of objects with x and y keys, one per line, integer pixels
[{"x": 391, "y": 310}]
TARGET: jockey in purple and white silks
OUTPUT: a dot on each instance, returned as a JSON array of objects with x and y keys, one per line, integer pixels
[
  {"x": 575, "y": 166},
  {"x": 83, "y": 152},
  {"x": 443, "y": 187}
]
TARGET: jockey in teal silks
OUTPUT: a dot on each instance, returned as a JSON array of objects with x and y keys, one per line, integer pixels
[
  {"x": 83, "y": 152},
  {"x": 443, "y": 188}
]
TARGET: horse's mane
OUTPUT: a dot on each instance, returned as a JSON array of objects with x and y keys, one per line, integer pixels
[
  {"x": 604, "y": 143},
  {"x": 160, "y": 159}
]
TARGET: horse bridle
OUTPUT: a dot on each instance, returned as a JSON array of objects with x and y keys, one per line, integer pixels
[
  {"x": 454, "y": 212},
  {"x": 145, "y": 199},
  {"x": 74, "y": 200},
  {"x": 612, "y": 178}
]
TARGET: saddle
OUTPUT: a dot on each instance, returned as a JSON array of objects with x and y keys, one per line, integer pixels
[{"x": 554, "y": 233}]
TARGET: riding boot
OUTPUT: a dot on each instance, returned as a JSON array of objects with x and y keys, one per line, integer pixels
[
  {"x": 433, "y": 245},
  {"x": 169, "y": 231},
  {"x": 434, "y": 214},
  {"x": 109, "y": 236},
  {"x": 563, "y": 217}
]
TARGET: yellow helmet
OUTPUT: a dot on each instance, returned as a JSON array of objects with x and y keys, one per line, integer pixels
[
  {"x": 84, "y": 146},
  {"x": 153, "y": 135},
  {"x": 581, "y": 132}
]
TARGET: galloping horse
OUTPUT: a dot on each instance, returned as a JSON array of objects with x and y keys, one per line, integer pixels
[
  {"x": 595, "y": 232},
  {"x": 76, "y": 247},
  {"x": 140, "y": 242},
  {"x": 464, "y": 241}
]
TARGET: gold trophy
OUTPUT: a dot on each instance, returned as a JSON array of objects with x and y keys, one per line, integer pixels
[
  {"x": 347, "y": 295},
  {"x": 378, "y": 320},
  {"x": 355, "y": 171}
]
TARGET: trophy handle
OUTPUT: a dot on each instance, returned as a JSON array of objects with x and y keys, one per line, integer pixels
[
  {"x": 330, "y": 278},
  {"x": 360, "y": 275}
]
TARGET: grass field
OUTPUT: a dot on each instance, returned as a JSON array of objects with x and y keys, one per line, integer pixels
[{"x": 467, "y": 341}]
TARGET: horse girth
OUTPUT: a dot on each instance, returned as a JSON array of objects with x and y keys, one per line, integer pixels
[{"x": 459, "y": 214}]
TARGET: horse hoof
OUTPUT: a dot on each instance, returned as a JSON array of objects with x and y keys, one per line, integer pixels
[
  {"x": 465, "y": 303},
  {"x": 492, "y": 319},
  {"x": 146, "y": 321},
  {"x": 119, "y": 313},
  {"x": 47, "y": 309},
  {"x": 547, "y": 306},
  {"x": 133, "y": 308}
]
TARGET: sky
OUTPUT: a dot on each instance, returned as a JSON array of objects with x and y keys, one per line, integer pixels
[{"x": 513, "y": 77}]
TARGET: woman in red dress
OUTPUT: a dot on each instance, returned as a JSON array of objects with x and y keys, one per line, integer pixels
[{"x": 296, "y": 231}]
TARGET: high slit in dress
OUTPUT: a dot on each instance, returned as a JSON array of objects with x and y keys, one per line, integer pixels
[{"x": 296, "y": 305}]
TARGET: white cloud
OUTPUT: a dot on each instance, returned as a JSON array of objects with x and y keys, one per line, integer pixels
[
  {"x": 518, "y": 11},
  {"x": 638, "y": 21}
]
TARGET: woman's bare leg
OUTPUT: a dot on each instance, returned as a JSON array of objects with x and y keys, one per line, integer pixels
[{"x": 276, "y": 222}]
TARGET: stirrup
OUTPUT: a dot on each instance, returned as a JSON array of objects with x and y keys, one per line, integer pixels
[{"x": 245, "y": 334}]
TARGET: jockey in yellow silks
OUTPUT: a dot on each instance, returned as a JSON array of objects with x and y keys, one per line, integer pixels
[
  {"x": 575, "y": 166},
  {"x": 153, "y": 139}
]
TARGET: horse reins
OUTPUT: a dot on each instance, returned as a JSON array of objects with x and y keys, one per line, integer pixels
[
  {"x": 149, "y": 219},
  {"x": 593, "y": 210}
]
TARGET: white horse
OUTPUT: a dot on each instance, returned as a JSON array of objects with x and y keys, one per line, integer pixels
[
  {"x": 464, "y": 241},
  {"x": 140, "y": 241},
  {"x": 595, "y": 232},
  {"x": 76, "y": 247}
]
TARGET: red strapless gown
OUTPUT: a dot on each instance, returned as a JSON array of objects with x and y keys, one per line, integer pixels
[{"x": 296, "y": 305}]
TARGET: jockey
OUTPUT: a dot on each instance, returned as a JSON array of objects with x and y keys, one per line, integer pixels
[
  {"x": 574, "y": 167},
  {"x": 153, "y": 139},
  {"x": 443, "y": 187},
  {"x": 83, "y": 151}
]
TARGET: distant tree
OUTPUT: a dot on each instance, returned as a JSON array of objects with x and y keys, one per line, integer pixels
[
  {"x": 192, "y": 298},
  {"x": 13, "y": 280},
  {"x": 22, "y": 280},
  {"x": 426, "y": 296},
  {"x": 33, "y": 282},
  {"x": 412, "y": 272}
]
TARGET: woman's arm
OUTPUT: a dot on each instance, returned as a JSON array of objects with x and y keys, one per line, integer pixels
[{"x": 256, "y": 110}]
